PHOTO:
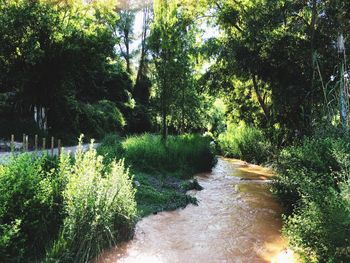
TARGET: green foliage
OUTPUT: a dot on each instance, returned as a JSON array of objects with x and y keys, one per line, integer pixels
[
  {"x": 158, "y": 194},
  {"x": 70, "y": 209},
  {"x": 313, "y": 183},
  {"x": 111, "y": 148},
  {"x": 160, "y": 167},
  {"x": 99, "y": 205},
  {"x": 184, "y": 155},
  {"x": 319, "y": 230},
  {"x": 308, "y": 169},
  {"x": 62, "y": 57},
  {"x": 31, "y": 210},
  {"x": 95, "y": 120},
  {"x": 172, "y": 43},
  {"x": 246, "y": 143},
  {"x": 265, "y": 60}
]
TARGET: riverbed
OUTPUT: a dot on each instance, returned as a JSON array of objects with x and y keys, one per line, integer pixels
[{"x": 237, "y": 220}]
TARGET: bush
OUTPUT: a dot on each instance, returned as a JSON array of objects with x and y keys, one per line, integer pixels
[
  {"x": 308, "y": 169},
  {"x": 313, "y": 182},
  {"x": 111, "y": 148},
  {"x": 30, "y": 207},
  {"x": 99, "y": 204},
  {"x": 184, "y": 155},
  {"x": 319, "y": 231},
  {"x": 246, "y": 143},
  {"x": 95, "y": 120}
]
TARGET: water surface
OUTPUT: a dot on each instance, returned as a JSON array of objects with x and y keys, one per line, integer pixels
[{"x": 237, "y": 220}]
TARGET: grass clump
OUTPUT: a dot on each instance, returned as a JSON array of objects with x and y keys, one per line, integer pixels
[
  {"x": 245, "y": 142},
  {"x": 183, "y": 155},
  {"x": 99, "y": 205},
  {"x": 314, "y": 183}
]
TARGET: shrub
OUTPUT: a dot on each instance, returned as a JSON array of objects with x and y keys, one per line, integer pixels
[
  {"x": 99, "y": 204},
  {"x": 246, "y": 143},
  {"x": 95, "y": 120},
  {"x": 313, "y": 181},
  {"x": 30, "y": 207},
  {"x": 184, "y": 155},
  {"x": 319, "y": 231},
  {"x": 111, "y": 148},
  {"x": 308, "y": 169}
]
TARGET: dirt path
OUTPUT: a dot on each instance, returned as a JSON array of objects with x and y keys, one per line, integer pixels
[{"x": 4, "y": 156}]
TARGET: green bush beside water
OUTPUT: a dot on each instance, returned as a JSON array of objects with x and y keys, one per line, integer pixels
[
  {"x": 31, "y": 207},
  {"x": 65, "y": 210},
  {"x": 99, "y": 205},
  {"x": 70, "y": 209},
  {"x": 314, "y": 183},
  {"x": 245, "y": 142}
]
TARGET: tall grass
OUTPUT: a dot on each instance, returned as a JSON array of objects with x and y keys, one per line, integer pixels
[
  {"x": 161, "y": 167},
  {"x": 99, "y": 205},
  {"x": 185, "y": 154},
  {"x": 65, "y": 210},
  {"x": 245, "y": 142}
]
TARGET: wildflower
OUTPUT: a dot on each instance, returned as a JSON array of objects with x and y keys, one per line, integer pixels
[{"x": 332, "y": 78}]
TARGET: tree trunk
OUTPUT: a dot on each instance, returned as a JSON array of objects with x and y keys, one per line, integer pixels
[
  {"x": 145, "y": 28},
  {"x": 260, "y": 99},
  {"x": 127, "y": 47},
  {"x": 312, "y": 46}
]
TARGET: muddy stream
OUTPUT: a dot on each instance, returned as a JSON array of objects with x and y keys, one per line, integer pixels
[{"x": 237, "y": 220}]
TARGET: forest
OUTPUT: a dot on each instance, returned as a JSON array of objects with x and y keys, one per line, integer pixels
[{"x": 167, "y": 88}]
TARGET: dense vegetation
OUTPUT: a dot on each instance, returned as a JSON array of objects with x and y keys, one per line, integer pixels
[
  {"x": 161, "y": 169},
  {"x": 260, "y": 78},
  {"x": 314, "y": 185},
  {"x": 246, "y": 143},
  {"x": 64, "y": 210},
  {"x": 69, "y": 209}
]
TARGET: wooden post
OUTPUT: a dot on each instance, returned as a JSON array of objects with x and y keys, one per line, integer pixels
[
  {"x": 44, "y": 144},
  {"x": 12, "y": 145},
  {"x": 59, "y": 147},
  {"x": 52, "y": 144},
  {"x": 36, "y": 142},
  {"x": 24, "y": 142},
  {"x": 27, "y": 143}
]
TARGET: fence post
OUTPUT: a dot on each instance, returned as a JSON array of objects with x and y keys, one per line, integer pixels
[
  {"x": 52, "y": 144},
  {"x": 24, "y": 143},
  {"x": 27, "y": 143},
  {"x": 59, "y": 147},
  {"x": 12, "y": 145},
  {"x": 44, "y": 144},
  {"x": 36, "y": 142}
]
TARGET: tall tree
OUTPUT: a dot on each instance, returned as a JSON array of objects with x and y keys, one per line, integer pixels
[
  {"x": 125, "y": 26},
  {"x": 171, "y": 41}
]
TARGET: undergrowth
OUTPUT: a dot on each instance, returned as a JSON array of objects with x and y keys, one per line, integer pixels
[
  {"x": 313, "y": 183},
  {"x": 246, "y": 143}
]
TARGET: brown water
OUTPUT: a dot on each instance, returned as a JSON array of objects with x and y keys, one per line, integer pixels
[{"x": 237, "y": 220}]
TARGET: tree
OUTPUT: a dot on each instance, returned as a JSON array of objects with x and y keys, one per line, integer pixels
[
  {"x": 124, "y": 28},
  {"x": 55, "y": 58},
  {"x": 172, "y": 42}
]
